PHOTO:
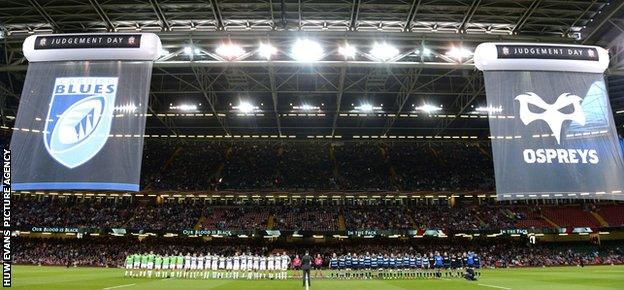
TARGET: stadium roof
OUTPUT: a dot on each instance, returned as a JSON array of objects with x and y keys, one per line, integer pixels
[{"x": 432, "y": 67}]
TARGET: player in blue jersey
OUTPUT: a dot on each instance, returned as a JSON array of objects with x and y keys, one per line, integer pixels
[
  {"x": 412, "y": 266},
  {"x": 342, "y": 264},
  {"x": 438, "y": 264},
  {"x": 367, "y": 261},
  {"x": 333, "y": 266}
]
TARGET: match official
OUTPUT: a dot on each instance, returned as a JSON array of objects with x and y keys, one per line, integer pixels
[{"x": 306, "y": 264}]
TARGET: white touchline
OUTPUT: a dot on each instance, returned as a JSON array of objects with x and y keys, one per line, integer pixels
[
  {"x": 494, "y": 286},
  {"x": 119, "y": 286}
]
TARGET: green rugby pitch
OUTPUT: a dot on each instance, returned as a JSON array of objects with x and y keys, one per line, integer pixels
[{"x": 563, "y": 278}]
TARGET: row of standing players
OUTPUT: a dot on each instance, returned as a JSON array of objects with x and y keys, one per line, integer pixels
[{"x": 275, "y": 266}]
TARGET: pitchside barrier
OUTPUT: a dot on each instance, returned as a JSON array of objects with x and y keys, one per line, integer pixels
[
  {"x": 552, "y": 128},
  {"x": 81, "y": 116}
]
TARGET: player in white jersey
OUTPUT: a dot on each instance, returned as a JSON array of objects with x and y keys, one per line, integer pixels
[
  {"x": 284, "y": 267},
  {"x": 236, "y": 265},
  {"x": 243, "y": 263},
  {"x": 200, "y": 262},
  {"x": 221, "y": 266},
  {"x": 256, "y": 266},
  {"x": 193, "y": 273},
  {"x": 187, "y": 264},
  {"x": 228, "y": 267},
  {"x": 270, "y": 264},
  {"x": 262, "y": 266},
  {"x": 215, "y": 266},
  {"x": 206, "y": 264}
]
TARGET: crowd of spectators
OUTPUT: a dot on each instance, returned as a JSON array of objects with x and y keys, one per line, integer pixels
[
  {"x": 307, "y": 217},
  {"x": 53, "y": 212},
  {"x": 171, "y": 214},
  {"x": 452, "y": 166},
  {"x": 112, "y": 251},
  {"x": 235, "y": 218},
  {"x": 377, "y": 218},
  {"x": 196, "y": 165}
]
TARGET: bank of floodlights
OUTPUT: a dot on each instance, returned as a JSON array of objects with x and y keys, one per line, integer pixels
[{"x": 306, "y": 50}]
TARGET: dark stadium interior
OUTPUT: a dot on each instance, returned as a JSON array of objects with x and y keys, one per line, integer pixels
[{"x": 331, "y": 178}]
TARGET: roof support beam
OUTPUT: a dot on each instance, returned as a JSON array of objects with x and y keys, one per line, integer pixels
[
  {"x": 523, "y": 19},
  {"x": 341, "y": 82},
  {"x": 600, "y": 20},
  {"x": 412, "y": 14},
  {"x": 471, "y": 11},
  {"x": 45, "y": 15},
  {"x": 355, "y": 10},
  {"x": 275, "y": 99},
  {"x": 589, "y": 7},
  {"x": 205, "y": 85},
  {"x": 471, "y": 92},
  {"x": 161, "y": 16},
  {"x": 216, "y": 13},
  {"x": 100, "y": 11}
]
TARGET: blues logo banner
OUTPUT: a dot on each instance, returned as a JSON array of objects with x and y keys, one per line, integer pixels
[
  {"x": 552, "y": 130},
  {"x": 81, "y": 118}
]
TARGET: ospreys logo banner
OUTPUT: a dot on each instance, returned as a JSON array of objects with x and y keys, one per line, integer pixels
[{"x": 553, "y": 135}]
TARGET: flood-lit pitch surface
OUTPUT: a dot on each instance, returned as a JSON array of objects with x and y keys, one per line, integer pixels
[{"x": 565, "y": 278}]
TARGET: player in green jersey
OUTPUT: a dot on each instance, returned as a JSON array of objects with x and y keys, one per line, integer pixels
[
  {"x": 180, "y": 264},
  {"x": 143, "y": 265},
  {"x": 158, "y": 262},
  {"x": 129, "y": 264},
  {"x": 165, "y": 266},
  {"x": 150, "y": 263}
]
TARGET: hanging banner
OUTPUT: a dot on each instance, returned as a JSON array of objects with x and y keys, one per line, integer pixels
[
  {"x": 553, "y": 134},
  {"x": 80, "y": 123}
]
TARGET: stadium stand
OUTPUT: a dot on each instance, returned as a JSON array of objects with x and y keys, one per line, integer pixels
[
  {"x": 316, "y": 166},
  {"x": 298, "y": 215}
]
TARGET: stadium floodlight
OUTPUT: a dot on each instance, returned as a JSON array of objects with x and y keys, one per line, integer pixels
[
  {"x": 128, "y": 108},
  {"x": 306, "y": 107},
  {"x": 348, "y": 51},
  {"x": 230, "y": 50},
  {"x": 490, "y": 110},
  {"x": 266, "y": 50},
  {"x": 459, "y": 53},
  {"x": 428, "y": 108},
  {"x": 164, "y": 52},
  {"x": 383, "y": 51},
  {"x": 188, "y": 50},
  {"x": 184, "y": 107},
  {"x": 426, "y": 51},
  {"x": 245, "y": 107},
  {"x": 366, "y": 108},
  {"x": 306, "y": 50}
]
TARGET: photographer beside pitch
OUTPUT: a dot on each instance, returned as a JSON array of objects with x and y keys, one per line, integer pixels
[{"x": 306, "y": 264}]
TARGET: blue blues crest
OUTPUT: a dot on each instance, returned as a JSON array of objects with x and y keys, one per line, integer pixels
[{"x": 79, "y": 118}]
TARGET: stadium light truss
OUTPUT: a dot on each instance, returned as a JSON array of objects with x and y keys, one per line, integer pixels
[
  {"x": 384, "y": 51},
  {"x": 428, "y": 108},
  {"x": 348, "y": 51},
  {"x": 230, "y": 50},
  {"x": 266, "y": 50},
  {"x": 306, "y": 50}
]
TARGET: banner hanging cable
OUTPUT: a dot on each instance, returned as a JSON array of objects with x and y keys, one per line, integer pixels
[
  {"x": 81, "y": 117},
  {"x": 552, "y": 133}
]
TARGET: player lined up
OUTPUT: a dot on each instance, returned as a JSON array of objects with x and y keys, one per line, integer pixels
[
  {"x": 402, "y": 266},
  {"x": 200, "y": 266}
]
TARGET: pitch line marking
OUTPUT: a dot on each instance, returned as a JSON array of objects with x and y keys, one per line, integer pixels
[
  {"x": 118, "y": 286},
  {"x": 494, "y": 286}
]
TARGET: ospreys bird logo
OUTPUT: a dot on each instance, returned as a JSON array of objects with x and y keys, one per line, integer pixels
[
  {"x": 79, "y": 118},
  {"x": 551, "y": 113}
]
